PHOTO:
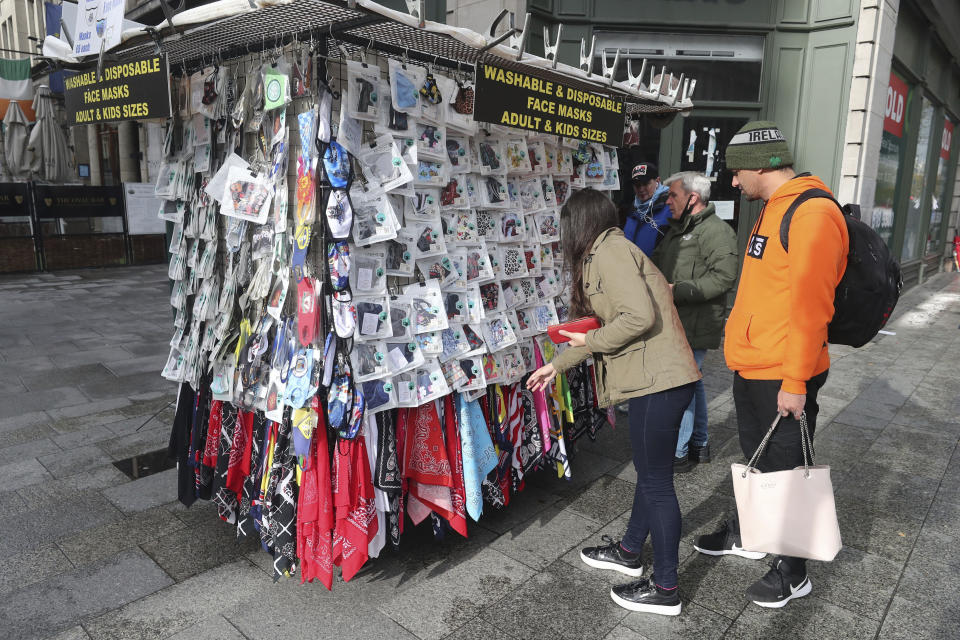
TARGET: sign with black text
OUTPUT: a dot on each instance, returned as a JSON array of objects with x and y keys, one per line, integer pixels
[
  {"x": 77, "y": 201},
  {"x": 523, "y": 101},
  {"x": 134, "y": 90}
]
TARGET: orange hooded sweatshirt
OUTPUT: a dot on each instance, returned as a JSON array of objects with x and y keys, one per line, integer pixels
[{"x": 777, "y": 329}]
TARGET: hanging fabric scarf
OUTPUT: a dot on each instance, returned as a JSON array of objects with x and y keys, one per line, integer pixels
[
  {"x": 179, "y": 445},
  {"x": 371, "y": 436},
  {"x": 283, "y": 500},
  {"x": 354, "y": 506},
  {"x": 479, "y": 455},
  {"x": 457, "y": 518},
  {"x": 239, "y": 465},
  {"x": 225, "y": 499},
  {"x": 540, "y": 402},
  {"x": 248, "y": 514},
  {"x": 427, "y": 466},
  {"x": 315, "y": 512},
  {"x": 213, "y": 434}
]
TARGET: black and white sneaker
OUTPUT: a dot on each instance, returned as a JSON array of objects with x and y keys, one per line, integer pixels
[
  {"x": 724, "y": 542},
  {"x": 646, "y": 596},
  {"x": 613, "y": 556},
  {"x": 779, "y": 586}
]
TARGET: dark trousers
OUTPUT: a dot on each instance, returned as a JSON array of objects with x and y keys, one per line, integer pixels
[
  {"x": 756, "y": 402},
  {"x": 654, "y": 425}
]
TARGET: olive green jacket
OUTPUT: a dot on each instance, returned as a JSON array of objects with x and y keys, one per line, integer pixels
[
  {"x": 641, "y": 348},
  {"x": 698, "y": 255}
]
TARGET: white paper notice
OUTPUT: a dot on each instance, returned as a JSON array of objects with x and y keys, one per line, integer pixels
[
  {"x": 724, "y": 209},
  {"x": 364, "y": 279},
  {"x": 397, "y": 361},
  {"x": 370, "y": 324},
  {"x": 404, "y": 394}
]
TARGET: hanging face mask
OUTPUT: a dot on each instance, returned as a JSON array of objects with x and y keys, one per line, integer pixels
[
  {"x": 373, "y": 316},
  {"x": 339, "y": 212},
  {"x": 338, "y": 260},
  {"x": 403, "y": 85},
  {"x": 379, "y": 395},
  {"x": 344, "y": 320},
  {"x": 463, "y": 103},
  {"x": 430, "y": 92},
  {"x": 336, "y": 163}
]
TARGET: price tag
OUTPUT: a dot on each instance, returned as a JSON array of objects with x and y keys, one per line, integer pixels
[
  {"x": 396, "y": 359},
  {"x": 364, "y": 279},
  {"x": 370, "y": 324}
]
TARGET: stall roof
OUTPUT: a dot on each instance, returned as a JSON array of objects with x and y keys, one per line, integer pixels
[{"x": 231, "y": 28}]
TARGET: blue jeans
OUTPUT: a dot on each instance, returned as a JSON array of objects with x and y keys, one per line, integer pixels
[
  {"x": 654, "y": 421},
  {"x": 693, "y": 426}
]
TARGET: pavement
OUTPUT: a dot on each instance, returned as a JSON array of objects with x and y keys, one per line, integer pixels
[{"x": 91, "y": 554}]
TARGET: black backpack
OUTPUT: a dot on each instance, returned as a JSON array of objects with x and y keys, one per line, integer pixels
[{"x": 870, "y": 286}]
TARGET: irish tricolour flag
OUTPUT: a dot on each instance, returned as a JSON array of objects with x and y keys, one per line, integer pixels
[{"x": 15, "y": 85}]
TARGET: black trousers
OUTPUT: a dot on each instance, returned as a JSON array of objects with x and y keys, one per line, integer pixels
[{"x": 756, "y": 403}]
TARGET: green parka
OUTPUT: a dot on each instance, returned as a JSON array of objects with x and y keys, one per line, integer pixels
[
  {"x": 640, "y": 349},
  {"x": 698, "y": 256}
]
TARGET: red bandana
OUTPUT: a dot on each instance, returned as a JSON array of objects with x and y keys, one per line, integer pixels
[
  {"x": 239, "y": 466},
  {"x": 355, "y": 507},
  {"x": 315, "y": 512},
  {"x": 213, "y": 434}
]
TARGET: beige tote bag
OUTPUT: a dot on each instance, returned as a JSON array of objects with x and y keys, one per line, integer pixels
[{"x": 789, "y": 513}]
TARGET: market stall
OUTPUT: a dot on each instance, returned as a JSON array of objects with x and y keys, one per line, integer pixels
[{"x": 365, "y": 258}]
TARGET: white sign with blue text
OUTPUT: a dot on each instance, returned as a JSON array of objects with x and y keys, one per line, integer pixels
[{"x": 98, "y": 22}]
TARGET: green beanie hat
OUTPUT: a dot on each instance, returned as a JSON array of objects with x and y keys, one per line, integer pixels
[{"x": 758, "y": 145}]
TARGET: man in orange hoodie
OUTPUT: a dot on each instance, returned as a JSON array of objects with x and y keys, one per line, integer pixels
[{"x": 776, "y": 335}]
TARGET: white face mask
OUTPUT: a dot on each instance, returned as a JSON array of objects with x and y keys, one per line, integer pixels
[
  {"x": 344, "y": 319},
  {"x": 339, "y": 214}
]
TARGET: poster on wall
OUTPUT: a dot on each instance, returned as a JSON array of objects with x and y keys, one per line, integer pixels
[
  {"x": 133, "y": 90},
  {"x": 523, "y": 101},
  {"x": 891, "y": 153},
  {"x": 142, "y": 205},
  {"x": 99, "y": 22}
]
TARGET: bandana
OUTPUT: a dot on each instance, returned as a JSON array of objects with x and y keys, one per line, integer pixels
[
  {"x": 354, "y": 504},
  {"x": 225, "y": 499},
  {"x": 239, "y": 462},
  {"x": 479, "y": 455},
  {"x": 370, "y": 437},
  {"x": 406, "y": 93},
  {"x": 248, "y": 513},
  {"x": 213, "y": 434},
  {"x": 427, "y": 465},
  {"x": 315, "y": 513},
  {"x": 282, "y": 500}
]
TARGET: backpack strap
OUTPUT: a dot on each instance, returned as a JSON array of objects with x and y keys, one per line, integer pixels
[{"x": 809, "y": 194}]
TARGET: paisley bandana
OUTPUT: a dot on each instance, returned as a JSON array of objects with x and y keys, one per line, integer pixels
[
  {"x": 356, "y": 513},
  {"x": 479, "y": 455},
  {"x": 315, "y": 512}
]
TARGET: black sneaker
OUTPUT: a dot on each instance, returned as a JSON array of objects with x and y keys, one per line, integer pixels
[
  {"x": 644, "y": 595},
  {"x": 724, "y": 542},
  {"x": 682, "y": 465},
  {"x": 779, "y": 586},
  {"x": 612, "y": 556},
  {"x": 700, "y": 454}
]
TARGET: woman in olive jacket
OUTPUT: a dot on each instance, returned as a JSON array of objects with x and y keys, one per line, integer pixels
[{"x": 640, "y": 354}]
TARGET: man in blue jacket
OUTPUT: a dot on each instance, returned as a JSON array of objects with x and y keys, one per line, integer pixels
[{"x": 647, "y": 223}]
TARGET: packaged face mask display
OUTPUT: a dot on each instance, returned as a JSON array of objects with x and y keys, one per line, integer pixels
[
  {"x": 369, "y": 361},
  {"x": 344, "y": 315},
  {"x": 383, "y": 166},
  {"x": 548, "y": 226},
  {"x": 494, "y": 192},
  {"x": 458, "y": 154},
  {"x": 406, "y": 386},
  {"x": 455, "y": 303},
  {"x": 561, "y": 189},
  {"x": 460, "y": 108},
  {"x": 404, "y": 355},
  {"x": 478, "y": 269},
  {"x": 427, "y": 301},
  {"x": 405, "y": 83},
  {"x": 430, "y": 343},
  {"x": 611, "y": 174},
  {"x": 488, "y": 224},
  {"x": 431, "y": 383},
  {"x": 546, "y": 188},
  {"x": 426, "y": 205},
  {"x": 531, "y": 256},
  {"x": 458, "y": 258},
  {"x": 431, "y": 100},
  {"x": 401, "y": 317},
  {"x": 246, "y": 196},
  {"x": 430, "y": 173},
  {"x": 400, "y": 261},
  {"x": 454, "y": 194},
  {"x": 491, "y": 297},
  {"x": 455, "y": 343},
  {"x": 431, "y": 142},
  {"x": 512, "y": 227},
  {"x": 438, "y": 268},
  {"x": 512, "y": 295},
  {"x": 379, "y": 395},
  {"x": 369, "y": 271},
  {"x": 374, "y": 219},
  {"x": 528, "y": 355},
  {"x": 564, "y": 161},
  {"x": 364, "y": 98},
  {"x": 465, "y": 227},
  {"x": 373, "y": 318},
  {"x": 490, "y": 156},
  {"x": 595, "y": 166},
  {"x": 498, "y": 333},
  {"x": 531, "y": 195},
  {"x": 518, "y": 161},
  {"x": 473, "y": 378},
  {"x": 276, "y": 85},
  {"x": 537, "y": 153},
  {"x": 526, "y": 324},
  {"x": 428, "y": 239},
  {"x": 408, "y": 150},
  {"x": 492, "y": 371}
]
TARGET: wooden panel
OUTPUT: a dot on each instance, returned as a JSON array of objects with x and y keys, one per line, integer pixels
[
  {"x": 794, "y": 11},
  {"x": 824, "y": 10},
  {"x": 785, "y": 87},
  {"x": 819, "y": 139}
]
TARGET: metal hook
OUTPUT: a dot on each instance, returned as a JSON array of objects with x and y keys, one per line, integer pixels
[
  {"x": 550, "y": 50},
  {"x": 609, "y": 72},
  {"x": 518, "y": 42},
  {"x": 586, "y": 62},
  {"x": 635, "y": 81}
]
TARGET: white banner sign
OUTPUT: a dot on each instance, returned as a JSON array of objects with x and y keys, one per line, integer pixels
[{"x": 97, "y": 21}]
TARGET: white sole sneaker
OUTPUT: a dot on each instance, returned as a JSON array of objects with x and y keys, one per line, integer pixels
[
  {"x": 804, "y": 589},
  {"x": 735, "y": 551},
  {"x": 599, "y": 564},
  {"x": 663, "y": 610}
]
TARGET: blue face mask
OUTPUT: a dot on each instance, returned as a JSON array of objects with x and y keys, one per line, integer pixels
[
  {"x": 336, "y": 162},
  {"x": 338, "y": 258},
  {"x": 406, "y": 93}
]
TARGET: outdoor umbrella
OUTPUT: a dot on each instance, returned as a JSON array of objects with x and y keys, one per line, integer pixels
[
  {"x": 15, "y": 140},
  {"x": 50, "y": 155}
]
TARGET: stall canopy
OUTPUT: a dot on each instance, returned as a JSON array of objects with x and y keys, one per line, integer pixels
[{"x": 231, "y": 28}]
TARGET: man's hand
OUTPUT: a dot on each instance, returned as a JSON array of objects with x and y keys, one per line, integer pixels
[
  {"x": 791, "y": 403},
  {"x": 576, "y": 339},
  {"x": 542, "y": 377}
]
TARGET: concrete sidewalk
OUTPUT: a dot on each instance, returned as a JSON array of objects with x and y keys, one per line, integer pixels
[{"x": 90, "y": 553}]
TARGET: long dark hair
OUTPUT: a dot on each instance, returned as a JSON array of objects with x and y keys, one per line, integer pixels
[{"x": 586, "y": 215}]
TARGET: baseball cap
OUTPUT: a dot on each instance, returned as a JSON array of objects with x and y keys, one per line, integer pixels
[{"x": 644, "y": 173}]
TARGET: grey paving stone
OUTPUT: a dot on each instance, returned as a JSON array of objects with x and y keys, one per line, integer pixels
[
  {"x": 621, "y": 632},
  {"x": 144, "y": 493},
  {"x": 434, "y": 608},
  {"x": 91, "y": 356},
  {"x": 532, "y": 609},
  {"x": 807, "y": 617},
  {"x": 61, "y": 602},
  {"x": 478, "y": 629},
  {"x": 87, "y": 408},
  {"x": 523, "y": 506},
  {"x": 694, "y": 621},
  {"x": 931, "y": 549},
  {"x": 906, "y": 621},
  {"x": 11, "y": 386},
  {"x": 81, "y": 438},
  {"x": 152, "y": 363},
  {"x": 930, "y": 585},
  {"x": 17, "y": 403},
  {"x": 24, "y": 450},
  {"x": 15, "y": 475},
  {"x": 73, "y": 633},
  {"x": 22, "y": 420},
  {"x": 68, "y": 376},
  {"x": 106, "y": 540},
  {"x": 212, "y": 628},
  {"x": 24, "y": 436},
  {"x": 604, "y": 499},
  {"x": 859, "y": 582},
  {"x": 892, "y": 491},
  {"x": 152, "y": 437},
  {"x": 179, "y": 606},
  {"x": 67, "y": 463},
  {"x": 848, "y": 416},
  {"x": 192, "y": 550},
  {"x": 872, "y": 530},
  {"x": 719, "y": 584},
  {"x": 51, "y": 517},
  {"x": 126, "y": 385},
  {"x": 541, "y": 540},
  {"x": 28, "y": 566}
]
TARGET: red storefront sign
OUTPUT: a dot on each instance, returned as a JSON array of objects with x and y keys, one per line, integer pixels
[
  {"x": 896, "y": 108},
  {"x": 946, "y": 140}
]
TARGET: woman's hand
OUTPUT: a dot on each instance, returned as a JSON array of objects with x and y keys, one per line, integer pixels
[
  {"x": 541, "y": 377},
  {"x": 576, "y": 339}
]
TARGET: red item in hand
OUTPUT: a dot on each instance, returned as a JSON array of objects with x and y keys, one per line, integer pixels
[{"x": 580, "y": 325}]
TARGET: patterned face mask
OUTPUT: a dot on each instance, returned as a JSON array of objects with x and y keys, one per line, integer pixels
[
  {"x": 463, "y": 103},
  {"x": 430, "y": 91},
  {"x": 340, "y": 396},
  {"x": 336, "y": 162},
  {"x": 339, "y": 213},
  {"x": 344, "y": 320},
  {"x": 298, "y": 384},
  {"x": 338, "y": 259}
]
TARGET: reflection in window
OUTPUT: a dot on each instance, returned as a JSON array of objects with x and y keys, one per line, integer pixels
[
  {"x": 911, "y": 238},
  {"x": 939, "y": 195}
]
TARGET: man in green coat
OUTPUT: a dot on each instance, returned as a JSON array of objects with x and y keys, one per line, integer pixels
[{"x": 698, "y": 257}]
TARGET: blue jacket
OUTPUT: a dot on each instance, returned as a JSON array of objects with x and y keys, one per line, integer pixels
[{"x": 638, "y": 227}]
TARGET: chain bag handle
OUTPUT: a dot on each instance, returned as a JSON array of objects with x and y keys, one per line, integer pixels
[{"x": 804, "y": 441}]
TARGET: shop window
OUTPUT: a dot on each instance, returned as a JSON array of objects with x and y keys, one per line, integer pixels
[
  {"x": 911, "y": 238},
  {"x": 727, "y": 68},
  {"x": 938, "y": 199},
  {"x": 892, "y": 147}
]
